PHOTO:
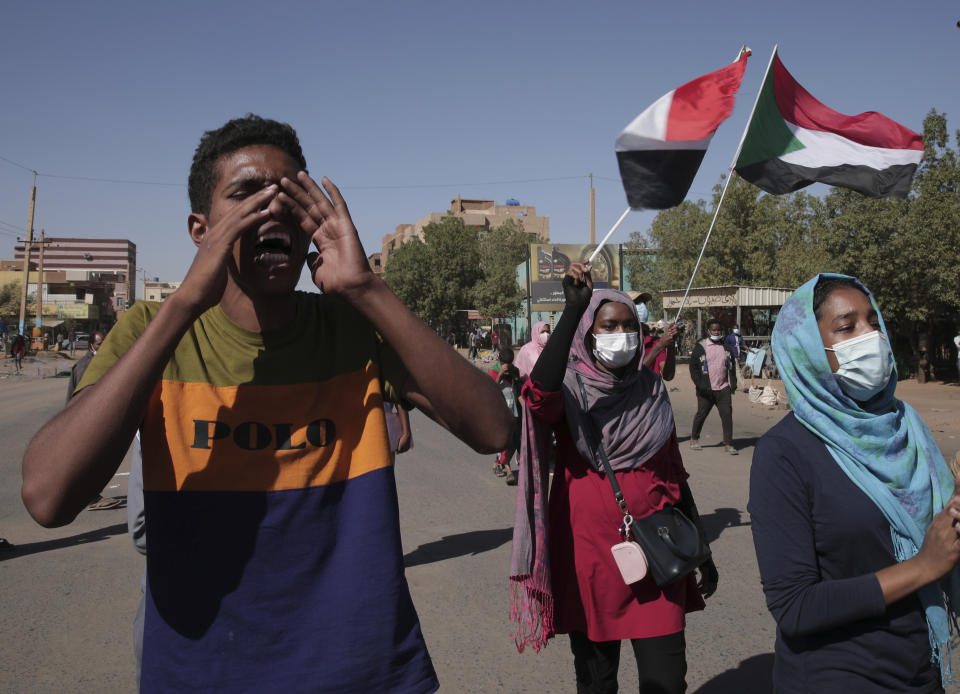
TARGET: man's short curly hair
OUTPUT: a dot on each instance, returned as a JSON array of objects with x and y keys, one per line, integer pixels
[{"x": 233, "y": 135}]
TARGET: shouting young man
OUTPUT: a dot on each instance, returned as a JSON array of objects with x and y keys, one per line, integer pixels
[{"x": 274, "y": 558}]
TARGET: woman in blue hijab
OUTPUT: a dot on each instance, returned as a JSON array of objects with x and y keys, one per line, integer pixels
[{"x": 852, "y": 507}]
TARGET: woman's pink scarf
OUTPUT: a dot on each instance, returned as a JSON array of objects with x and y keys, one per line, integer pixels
[{"x": 530, "y": 352}]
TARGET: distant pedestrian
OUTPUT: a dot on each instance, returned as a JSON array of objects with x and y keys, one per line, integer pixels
[
  {"x": 738, "y": 348},
  {"x": 531, "y": 351},
  {"x": 660, "y": 349},
  {"x": 640, "y": 301},
  {"x": 18, "y": 349},
  {"x": 495, "y": 341},
  {"x": 956, "y": 342},
  {"x": 509, "y": 381},
  {"x": 472, "y": 339},
  {"x": 714, "y": 373},
  {"x": 73, "y": 341}
]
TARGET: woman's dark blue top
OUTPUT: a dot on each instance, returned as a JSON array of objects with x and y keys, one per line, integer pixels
[{"x": 819, "y": 542}]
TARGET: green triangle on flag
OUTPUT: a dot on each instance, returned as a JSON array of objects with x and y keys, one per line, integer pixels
[{"x": 768, "y": 136}]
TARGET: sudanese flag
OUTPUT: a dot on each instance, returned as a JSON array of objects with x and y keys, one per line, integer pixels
[{"x": 793, "y": 140}]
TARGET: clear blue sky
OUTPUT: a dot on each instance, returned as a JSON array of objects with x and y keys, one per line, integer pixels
[{"x": 407, "y": 104}]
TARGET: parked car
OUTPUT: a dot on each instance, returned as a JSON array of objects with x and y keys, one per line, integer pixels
[{"x": 83, "y": 341}]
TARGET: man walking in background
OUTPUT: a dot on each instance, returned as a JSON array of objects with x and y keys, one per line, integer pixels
[{"x": 714, "y": 374}]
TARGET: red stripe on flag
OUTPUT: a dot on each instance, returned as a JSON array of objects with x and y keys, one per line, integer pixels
[
  {"x": 870, "y": 128},
  {"x": 702, "y": 104}
]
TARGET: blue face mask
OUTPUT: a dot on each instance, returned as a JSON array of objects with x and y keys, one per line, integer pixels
[{"x": 865, "y": 365}]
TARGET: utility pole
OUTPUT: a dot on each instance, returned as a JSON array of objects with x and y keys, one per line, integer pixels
[
  {"x": 593, "y": 212},
  {"x": 26, "y": 254},
  {"x": 43, "y": 242}
]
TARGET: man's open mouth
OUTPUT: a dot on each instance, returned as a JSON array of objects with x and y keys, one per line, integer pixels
[{"x": 273, "y": 247}]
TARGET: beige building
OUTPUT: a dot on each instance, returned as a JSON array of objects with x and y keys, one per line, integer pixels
[
  {"x": 105, "y": 261},
  {"x": 479, "y": 214},
  {"x": 158, "y": 291},
  {"x": 86, "y": 300},
  {"x": 374, "y": 260}
]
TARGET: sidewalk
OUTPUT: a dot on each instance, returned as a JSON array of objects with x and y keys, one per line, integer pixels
[{"x": 41, "y": 365}]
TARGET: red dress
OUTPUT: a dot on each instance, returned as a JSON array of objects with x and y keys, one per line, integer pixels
[{"x": 589, "y": 593}]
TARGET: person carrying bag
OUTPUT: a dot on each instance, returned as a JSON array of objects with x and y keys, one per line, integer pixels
[{"x": 565, "y": 570}]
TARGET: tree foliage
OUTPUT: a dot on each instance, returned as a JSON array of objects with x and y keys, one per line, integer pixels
[
  {"x": 497, "y": 293},
  {"x": 10, "y": 300},
  {"x": 436, "y": 277},
  {"x": 456, "y": 268},
  {"x": 906, "y": 251}
]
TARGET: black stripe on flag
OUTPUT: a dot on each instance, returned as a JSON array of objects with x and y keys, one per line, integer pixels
[
  {"x": 778, "y": 177},
  {"x": 660, "y": 178}
]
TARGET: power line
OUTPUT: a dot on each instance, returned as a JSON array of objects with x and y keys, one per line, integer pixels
[
  {"x": 11, "y": 161},
  {"x": 12, "y": 226},
  {"x": 456, "y": 185},
  {"x": 410, "y": 186},
  {"x": 113, "y": 180}
]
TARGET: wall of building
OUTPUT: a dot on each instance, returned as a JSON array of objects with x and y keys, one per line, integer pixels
[
  {"x": 480, "y": 214},
  {"x": 112, "y": 261},
  {"x": 159, "y": 291}
]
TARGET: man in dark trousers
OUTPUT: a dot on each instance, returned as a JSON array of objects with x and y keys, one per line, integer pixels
[{"x": 714, "y": 373}]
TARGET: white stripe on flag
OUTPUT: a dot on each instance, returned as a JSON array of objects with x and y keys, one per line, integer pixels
[
  {"x": 649, "y": 126},
  {"x": 825, "y": 149}
]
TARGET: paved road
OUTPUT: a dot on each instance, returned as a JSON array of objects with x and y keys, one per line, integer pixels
[{"x": 69, "y": 594}]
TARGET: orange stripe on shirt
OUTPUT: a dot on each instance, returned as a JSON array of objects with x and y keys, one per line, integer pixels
[{"x": 199, "y": 437}]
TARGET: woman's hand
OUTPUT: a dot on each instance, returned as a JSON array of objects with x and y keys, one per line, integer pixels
[
  {"x": 578, "y": 286},
  {"x": 940, "y": 551},
  {"x": 938, "y": 555},
  {"x": 709, "y": 578}
]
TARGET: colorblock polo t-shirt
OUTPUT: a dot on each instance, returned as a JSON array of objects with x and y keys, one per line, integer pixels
[{"x": 274, "y": 560}]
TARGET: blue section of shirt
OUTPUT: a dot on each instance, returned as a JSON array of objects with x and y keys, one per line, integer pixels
[{"x": 296, "y": 591}]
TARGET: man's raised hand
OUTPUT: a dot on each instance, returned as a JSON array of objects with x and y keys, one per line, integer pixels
[
  {"x": 206, "y": 279},
  {"x": 339, "y": 265}
]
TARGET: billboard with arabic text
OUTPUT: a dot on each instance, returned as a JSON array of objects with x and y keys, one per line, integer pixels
[{"x": 549, "y": 263}]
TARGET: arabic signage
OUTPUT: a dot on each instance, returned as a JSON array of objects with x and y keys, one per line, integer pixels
[{"x": 549, "y": 264}]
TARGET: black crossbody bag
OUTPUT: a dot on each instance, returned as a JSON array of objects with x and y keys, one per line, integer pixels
[{"x": 671, "y": 542}]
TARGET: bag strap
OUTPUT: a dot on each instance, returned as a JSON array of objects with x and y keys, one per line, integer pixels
[{"x": 604, "y": 461}]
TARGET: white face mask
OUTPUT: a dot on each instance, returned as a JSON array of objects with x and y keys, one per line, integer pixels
[
  {"x": 736, "y": 331},
  {"x": 716, "y": 338},
  {"x": 614, "y": 350},
  {"x": 866, "y": 363},
  {"x": 543, "y": 337}
]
